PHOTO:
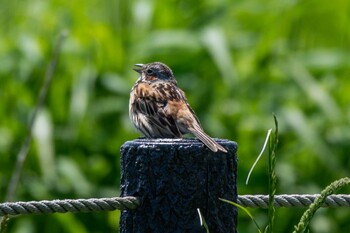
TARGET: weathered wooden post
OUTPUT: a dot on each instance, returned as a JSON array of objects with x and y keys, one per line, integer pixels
[{"x": 174, "y": 177}]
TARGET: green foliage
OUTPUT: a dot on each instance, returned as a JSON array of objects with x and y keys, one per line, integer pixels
[
  {"x": 237, "y": 61},
  {"x": 309, "y": 213},
  {"x": 273, "y": 143},
  {"x": 245, "y": 210}
]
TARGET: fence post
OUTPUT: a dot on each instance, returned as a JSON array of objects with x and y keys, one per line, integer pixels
[{"x": 174, "y": 177}]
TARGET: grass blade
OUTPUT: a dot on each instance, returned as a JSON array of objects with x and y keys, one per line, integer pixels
[
  {"x": 309, "y": 213},
  {"x": 202, "y": 221},
  {"x": 244, "y": 209},
  {"x": 258, "y": 158},
  {"x": 273, "y": 142}
]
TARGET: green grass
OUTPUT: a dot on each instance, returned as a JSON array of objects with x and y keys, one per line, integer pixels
[
  {"x": 245, "y": 210},
  {"x": 273, "y": 143},
  {"x": 305, "y": 220},
  {"x": 237, "y": 61}
]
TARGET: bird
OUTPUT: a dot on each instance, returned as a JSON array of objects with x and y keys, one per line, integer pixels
[{"x": 158, "y": 108}]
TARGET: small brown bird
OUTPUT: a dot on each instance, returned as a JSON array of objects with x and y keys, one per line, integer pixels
[{"x": 158, "y": 107}]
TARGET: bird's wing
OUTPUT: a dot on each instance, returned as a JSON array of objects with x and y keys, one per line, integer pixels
[
  {"x": 187, "y": 121},
  {"x": 151, "y": 102}
]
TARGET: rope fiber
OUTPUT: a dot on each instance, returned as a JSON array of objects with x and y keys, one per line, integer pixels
[
  {"x": 128, "y": 203},
  {"x": 69, "y": 205},
  {"x": 293, "y": 200}
]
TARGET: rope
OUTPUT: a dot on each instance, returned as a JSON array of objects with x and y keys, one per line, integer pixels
[
  {"x": 123, "y": 203},
  {"x": 294, "y": 200},
  {"x": 69, "y": 205}
]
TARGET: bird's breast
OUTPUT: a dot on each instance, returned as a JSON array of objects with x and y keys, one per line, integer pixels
[{"x": 144, "y": 90}]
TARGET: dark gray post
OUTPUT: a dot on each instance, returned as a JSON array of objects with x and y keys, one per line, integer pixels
[{"x": 174, "y": 177}]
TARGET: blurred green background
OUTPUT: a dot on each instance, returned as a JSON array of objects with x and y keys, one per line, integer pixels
[{"x": 238, "y": 62}]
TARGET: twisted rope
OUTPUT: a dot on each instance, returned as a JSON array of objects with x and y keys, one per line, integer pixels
[
  {"x": 69, "y": 205},
  {"x": 123, "y": 203},
  {"x": 294, "y": 200}
]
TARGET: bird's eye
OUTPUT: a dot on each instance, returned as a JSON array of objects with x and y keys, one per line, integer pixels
[{"x": 149, "y": 71}]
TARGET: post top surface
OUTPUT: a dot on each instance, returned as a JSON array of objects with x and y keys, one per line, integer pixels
[{"x": 176, "y": 142}]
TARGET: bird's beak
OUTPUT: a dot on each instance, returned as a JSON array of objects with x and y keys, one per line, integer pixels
[{"x": 138, "y": 68}]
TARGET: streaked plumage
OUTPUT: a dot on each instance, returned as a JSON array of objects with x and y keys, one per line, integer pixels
[{"x": 159, "y": 109}]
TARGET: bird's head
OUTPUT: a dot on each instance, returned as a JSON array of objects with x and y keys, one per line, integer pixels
[{"x": 155, "y": 71}]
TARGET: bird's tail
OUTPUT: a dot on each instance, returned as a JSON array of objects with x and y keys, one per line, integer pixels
[{"x": 206, "y": 139}]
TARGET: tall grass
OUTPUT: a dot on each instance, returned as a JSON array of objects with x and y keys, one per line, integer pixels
[
  {"x": 305, "y": 220},
  {"x": 273, "y": 143},
  {"x": 237, "y": 61}
]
